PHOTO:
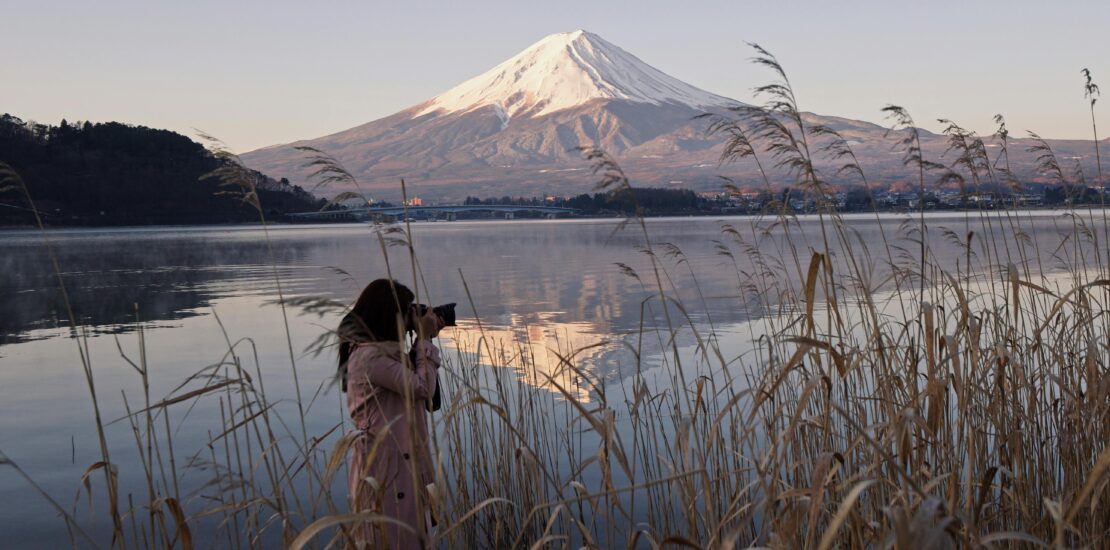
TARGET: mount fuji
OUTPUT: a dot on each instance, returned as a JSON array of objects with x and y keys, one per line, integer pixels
[{"x": 512, "y": 131}]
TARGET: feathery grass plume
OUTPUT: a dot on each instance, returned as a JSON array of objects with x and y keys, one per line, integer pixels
[
  {"x": 738, "y": 146},
  {"x": 762, "y": 124},
  {"x": 1003, "y": 135},
  {"x": 913, "y": 156},
  {"x": 1047, "y": 162},
  {"x": 789, "y": 147},
  {"x": 786, "y": 149},
  {"x": 1078, "y": 176},
  {"x": 1002, "y": 161},
  {"x": 1017, "y": 190},
  {"x": 972, "y": 152},
  {"x": 838, "y": 149},
  {"x": 241, "y": 182},
  {"x": 1091, "y": 92},
  {"x": 327, "y": 170},
  {"x": 612, "y": 179},
  {"x": 973, "y": 160},
  {"x": 233, "y": 173}
]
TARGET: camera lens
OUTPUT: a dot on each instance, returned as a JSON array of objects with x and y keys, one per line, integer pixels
[{"x": 447, "y": 313}]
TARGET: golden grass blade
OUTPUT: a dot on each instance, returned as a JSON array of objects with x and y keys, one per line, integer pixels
[
  {"x": 175, "y": 400},
  {"x": 821, "y": 477},
  {"x": 679, "y": 540},
  {"x": 245, "y": 422},
  {"x": 838, "y": 359},
  {"x": 474, "y": 510},
  {"x": 984, "y": 489},
  {"x": 1102, "y": 465},
  {"x": 178, "y": 514},
  {"x": 1007, "y": 536},
  {"x": 339, "y": 455},
  {"x": 99, "y": 465},
  {"x": 842, "y": 512},
  {"x": 811, "y": 289}
]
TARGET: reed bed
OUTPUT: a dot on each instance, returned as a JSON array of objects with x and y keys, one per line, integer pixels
[{"x": 887, "y": 396}]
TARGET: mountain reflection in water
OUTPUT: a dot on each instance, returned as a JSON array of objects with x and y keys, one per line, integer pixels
[{"x": 543, "y": 352}]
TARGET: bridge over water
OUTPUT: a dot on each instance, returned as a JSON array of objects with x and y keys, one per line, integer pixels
[{"x": 448, "y": 212}]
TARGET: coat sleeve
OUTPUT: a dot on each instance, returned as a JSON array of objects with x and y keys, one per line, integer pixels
[{"x": 397, "y": 377}]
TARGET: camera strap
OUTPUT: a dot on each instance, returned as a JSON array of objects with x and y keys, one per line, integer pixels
[{"x": 437, "y": 401}]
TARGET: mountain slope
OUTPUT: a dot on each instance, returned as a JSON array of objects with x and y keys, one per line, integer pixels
[{"x": 512, "y": 131}]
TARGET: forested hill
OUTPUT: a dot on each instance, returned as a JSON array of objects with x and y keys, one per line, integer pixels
[{"x": 116, "y": 174}]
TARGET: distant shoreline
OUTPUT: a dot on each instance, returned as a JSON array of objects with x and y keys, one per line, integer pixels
[{"x": 806, "y": 216}]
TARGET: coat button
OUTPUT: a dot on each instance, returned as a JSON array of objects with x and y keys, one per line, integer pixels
[
  {"x": 400, "y": 496},
  {"x": 406, "y": 455}
]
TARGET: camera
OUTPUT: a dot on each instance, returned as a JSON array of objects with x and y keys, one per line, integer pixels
[{"x": 445, "y": 312}]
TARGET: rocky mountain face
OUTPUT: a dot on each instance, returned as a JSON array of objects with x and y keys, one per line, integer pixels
[{"x": 513, "y": 130}]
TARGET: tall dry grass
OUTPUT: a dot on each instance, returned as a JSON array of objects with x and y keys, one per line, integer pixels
[{"x": 885, "y": 397}]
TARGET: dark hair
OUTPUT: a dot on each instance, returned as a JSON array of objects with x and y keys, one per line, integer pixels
[{"x": 374, "y": 318}]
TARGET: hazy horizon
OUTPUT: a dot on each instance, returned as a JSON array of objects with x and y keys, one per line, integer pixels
[{"x": 259, "y": 74}]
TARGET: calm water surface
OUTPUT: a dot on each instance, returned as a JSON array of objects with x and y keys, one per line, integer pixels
[{"x": 546, "y": 285}]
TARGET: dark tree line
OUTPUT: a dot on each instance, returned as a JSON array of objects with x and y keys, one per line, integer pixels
[
  {"x": 117, "y": 174},
  {"x": 651, "y": 200}
]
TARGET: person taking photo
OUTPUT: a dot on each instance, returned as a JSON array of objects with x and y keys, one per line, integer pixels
[{"x": 388, "y": 396}]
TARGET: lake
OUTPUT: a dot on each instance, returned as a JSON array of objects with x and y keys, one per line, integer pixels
[{"x": 175, "y": 297}]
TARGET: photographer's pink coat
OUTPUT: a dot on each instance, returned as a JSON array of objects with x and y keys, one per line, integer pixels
[{"x": 391, "y": 464}]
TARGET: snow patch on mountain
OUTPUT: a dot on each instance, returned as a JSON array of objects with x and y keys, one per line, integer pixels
[
  {"x": 565, "y": 70},
  {"x": 501, "y": 114}
]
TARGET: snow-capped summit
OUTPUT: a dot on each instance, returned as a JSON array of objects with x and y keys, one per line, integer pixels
[
  {"x": 565, "y": 70},
  {"x": 517, "y": 129}
]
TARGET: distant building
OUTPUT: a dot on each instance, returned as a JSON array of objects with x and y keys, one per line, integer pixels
[
  {"x": 415, "y": 201},
  {"x": 1030, "y": 199}
]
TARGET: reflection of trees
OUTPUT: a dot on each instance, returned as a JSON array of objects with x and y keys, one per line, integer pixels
[{"x": 108, "y": 275}]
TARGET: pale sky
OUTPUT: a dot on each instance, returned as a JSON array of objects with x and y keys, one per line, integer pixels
[{"x": 260, "y": 73}]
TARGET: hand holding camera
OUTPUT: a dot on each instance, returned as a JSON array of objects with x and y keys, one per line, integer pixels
[
  {"x": 428, "y": 325},
  {"x": 428, "y": 321}
]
